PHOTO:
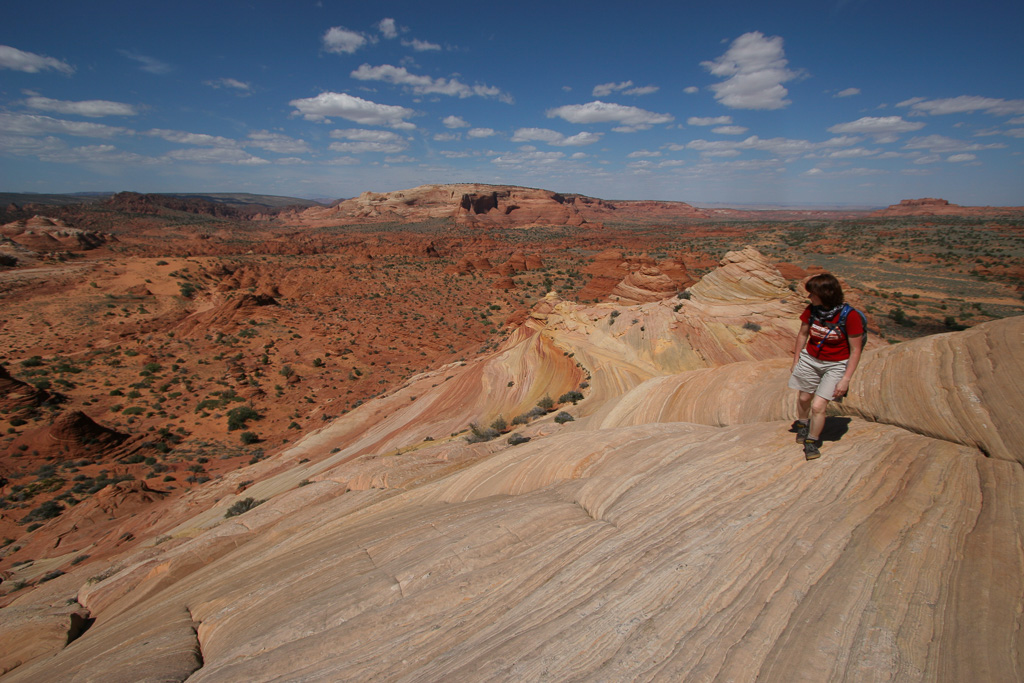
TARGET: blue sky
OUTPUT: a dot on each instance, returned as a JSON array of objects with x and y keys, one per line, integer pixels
[{"x": 827, "y": 102}]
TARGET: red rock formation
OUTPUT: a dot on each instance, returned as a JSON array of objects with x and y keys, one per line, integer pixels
[
  {"x": 71, "y": 436},
  {"x": 484, "y": 205},
  {"x": 17, "y": 395},
  {"x": 644, "y": 285}
]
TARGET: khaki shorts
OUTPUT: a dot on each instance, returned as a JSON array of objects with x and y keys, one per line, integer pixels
[{"x": 815, "y": 376}]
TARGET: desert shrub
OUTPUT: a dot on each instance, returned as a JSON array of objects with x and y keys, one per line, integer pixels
[
  {"x": 248, "y": 437},
  {"x": 133, "y": 410},
  {"x": 499, "y": 424},
  {"x": 564, "y": 417},
  {"x": 50, "y": 576},
  {"x": 239, "y": 417},
  {"x": 570, "y": 397},
  {"x": 752, "y": 326},
  {"x": 79, "y": 559},
  {"x": 240, "y": 506},
  {"x": 33, "y": 362},
  {"x": 479, "y": 434},
  {"x": 517, "y": 439},
  {"x": 47, "y": 510},
  {"x": 685, "y": 294},
  {"x": 546, "y": 403}
]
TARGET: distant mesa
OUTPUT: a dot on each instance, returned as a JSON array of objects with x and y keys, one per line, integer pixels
[
  {"x": 475, "y": 204},
  {"x": 928, "y": 206}
]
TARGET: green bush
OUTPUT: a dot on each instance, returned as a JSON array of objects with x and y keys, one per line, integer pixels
[
  {"x": 517, "y": 439},
  {"x": 479, "y": 434},
  {"x": 249, "y": 437},
  {"x": 570, "y": 397},
  {"x": 546, "y": 403},
  {"x": 564, "y": 417},
  {"x": 240, "y": 506},
  {"x": 239, "y": 417}
]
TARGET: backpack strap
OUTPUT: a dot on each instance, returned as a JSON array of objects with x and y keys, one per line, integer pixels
[{"x": 841, "y": 326}]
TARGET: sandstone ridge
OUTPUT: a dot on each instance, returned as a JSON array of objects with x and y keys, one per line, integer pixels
[
  {"x": 481, "y": 206},
  {"x": 671, "y": 531}
]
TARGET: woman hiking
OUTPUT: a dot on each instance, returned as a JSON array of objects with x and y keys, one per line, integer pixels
[{"x": 826, "y": 354}]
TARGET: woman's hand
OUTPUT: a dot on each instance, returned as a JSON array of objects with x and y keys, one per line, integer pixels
[{"x": 841, "y": 388}]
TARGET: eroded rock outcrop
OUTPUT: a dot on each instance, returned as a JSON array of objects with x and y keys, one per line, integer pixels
[{"x": 671, "y": 531}]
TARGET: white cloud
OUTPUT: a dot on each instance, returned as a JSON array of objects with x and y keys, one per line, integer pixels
[
  {"x": 940, "y": 144},
  {"x": 446, "y": 137},
  {"x": 481, "y": 132},
  {"x": 1015, "y": 132},
  {"x": 198, "y": 139},
  {"x": 852, "y": 153},
  {"x": 642, "y": 90},
  {"x": 1016, "y": 121},
  {"x": 756, "y": 68},
  {"x": 605, "y": 112},
  {"x": 424, "y": 85},
  {"x": 387, "y": 28},
  {"x": 691, "y": 90},
  {"x": 400, "y": 159},
  {"x": 455, "y": 122},
  {"x": 364, "y": 140},
  {"x": 33, "y": 124},
  {"x": 362, "y": 147},
  {"x": 730, "y": 130},
  {"x": 886, "y": 127},
  {"x": 849, "y": 92},
  {"x": 91, "y": 108},
  {"x": 964, "y": 104},
  {"x": 216, "y": 155},
  {"x": 528, "y": 157},
  {"x": 606, "y": 89},
  {"x": 626, "y": 87},
  {"x": 858, "y": 172},
  {"x": 366, "y": 135},
  {"x": 709, "y": 120},
  {"x": 578, "y": 140},
  {"x": 642, "y": 153},
  {"x": 230, "y": 83},
  {"x": 421, "y": 45},
  {"x": 781, "y": 146},
  {"x": 536, "y": 134},
  {"x": 148, "y": 64},
  {"x": 961, "y": 157},
  {"x": 555, "y": 138},
  {"x": 275, "y": 142},
  {"x": 30, "y": 62},
  {"x": 345, "y": 106},
  {"x": 341, "y": 40}
]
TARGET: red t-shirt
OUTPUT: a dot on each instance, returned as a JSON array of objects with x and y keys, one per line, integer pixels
[{"x": 835, "y": 346}]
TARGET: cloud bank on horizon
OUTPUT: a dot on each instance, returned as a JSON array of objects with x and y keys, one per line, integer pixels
[{"x": 846, "y": 104}]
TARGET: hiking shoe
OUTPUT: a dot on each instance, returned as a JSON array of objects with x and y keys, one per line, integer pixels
[
  {"x": 811, "y": 451},
  {"x": 802, "y": 429}
]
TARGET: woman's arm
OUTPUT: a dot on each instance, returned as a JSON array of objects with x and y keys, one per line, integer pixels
[
  {"x": 851, "y": 366},
  {"x": 801, "y": 341}
]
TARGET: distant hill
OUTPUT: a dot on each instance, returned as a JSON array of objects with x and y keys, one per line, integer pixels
[{"x": 234, "y": 199}]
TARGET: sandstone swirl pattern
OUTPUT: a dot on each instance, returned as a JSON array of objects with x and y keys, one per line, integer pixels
[{"x": 671, "y": 532}]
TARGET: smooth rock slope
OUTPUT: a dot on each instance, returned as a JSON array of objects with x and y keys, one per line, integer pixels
[{"x": 672, "y": 531}]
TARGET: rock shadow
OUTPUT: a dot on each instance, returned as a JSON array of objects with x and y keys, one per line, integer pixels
[{"x": 835, "y": 428}]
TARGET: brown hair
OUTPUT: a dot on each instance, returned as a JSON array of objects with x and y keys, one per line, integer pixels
[{"x": 826, "y": 287}]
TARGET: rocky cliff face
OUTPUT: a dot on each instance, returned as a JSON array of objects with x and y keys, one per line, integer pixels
[{"x": 671, "y": 531}]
